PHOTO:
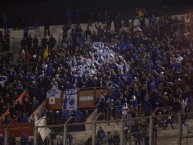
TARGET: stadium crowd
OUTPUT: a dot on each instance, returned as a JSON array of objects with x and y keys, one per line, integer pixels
[
  {"x": 145, "y": 61},
  {"x": 134, "y": 59}
]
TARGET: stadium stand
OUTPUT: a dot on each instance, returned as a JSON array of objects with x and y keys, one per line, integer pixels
[{"x": 145, "y": 62}]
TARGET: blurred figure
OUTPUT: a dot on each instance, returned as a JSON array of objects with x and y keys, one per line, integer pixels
[
  {"x": 46, "y": 27},
  {"x": 101, "y": 134},
  {"x": 116, "y": 138},
  {"x": 5, "y": 23},
  {"x": 33, "y": 118},
  {"x": 11, "y": 140},
  {"x": 69, "y": 138},
  {"x": 1, "y": 139},
  {"x": 68, "y": 15},
  {"x": 37, "y": 26},
  {"x": 25, "y": 31},
  {"x": 24, "y": 139},
  {"x": 89, "y": 141}
]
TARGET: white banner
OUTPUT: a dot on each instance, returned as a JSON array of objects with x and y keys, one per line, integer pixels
[
  {"x": 70, "y": 100},
  {"x": 53, "y": 93}
]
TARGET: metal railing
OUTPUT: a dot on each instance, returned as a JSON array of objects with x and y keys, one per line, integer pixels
[{"x": 127, "y": 130}]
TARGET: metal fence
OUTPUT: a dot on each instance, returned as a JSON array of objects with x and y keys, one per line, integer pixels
[
  {"x": 18, "y": 136},
  {"x": 159, "y": 128}
]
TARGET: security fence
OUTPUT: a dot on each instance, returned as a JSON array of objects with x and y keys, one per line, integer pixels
[
  {"x": 19, "y": 134},
  {"x": 186, "y": 134},
  {"x": 161, "y": 127}
]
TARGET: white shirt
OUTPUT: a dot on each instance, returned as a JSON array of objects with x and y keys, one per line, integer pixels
[
  {"x": 124, "y": 110},
  {"x": 2, "y": 82},
  {"x": 136, "y": 22}
]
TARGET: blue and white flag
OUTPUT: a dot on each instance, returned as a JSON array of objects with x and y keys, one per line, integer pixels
[
  {"x": 70, "y": 100},
  {"x": 54, "y": 93}
]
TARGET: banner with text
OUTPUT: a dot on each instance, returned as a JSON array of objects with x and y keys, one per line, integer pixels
[
  {"x": 54, "y": 93},
  {"x": 70, "y": 99}
]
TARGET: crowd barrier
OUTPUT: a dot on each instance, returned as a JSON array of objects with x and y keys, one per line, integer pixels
[
  {"x": 139, "y": 130},
  {"x": 164, "y": 128},
  {"x": 17, "y": 130}
]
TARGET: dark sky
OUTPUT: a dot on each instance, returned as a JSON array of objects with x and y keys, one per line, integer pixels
[{"x": 55, "y": 9}]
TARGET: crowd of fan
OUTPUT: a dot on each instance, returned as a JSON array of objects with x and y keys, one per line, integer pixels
[{"x": 145, "y": 67}]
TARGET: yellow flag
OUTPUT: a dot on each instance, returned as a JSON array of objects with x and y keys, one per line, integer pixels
[{"x": 45, "y": 53}]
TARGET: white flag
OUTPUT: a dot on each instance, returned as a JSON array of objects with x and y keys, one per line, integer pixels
[{"x": 70, "y": 99}]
